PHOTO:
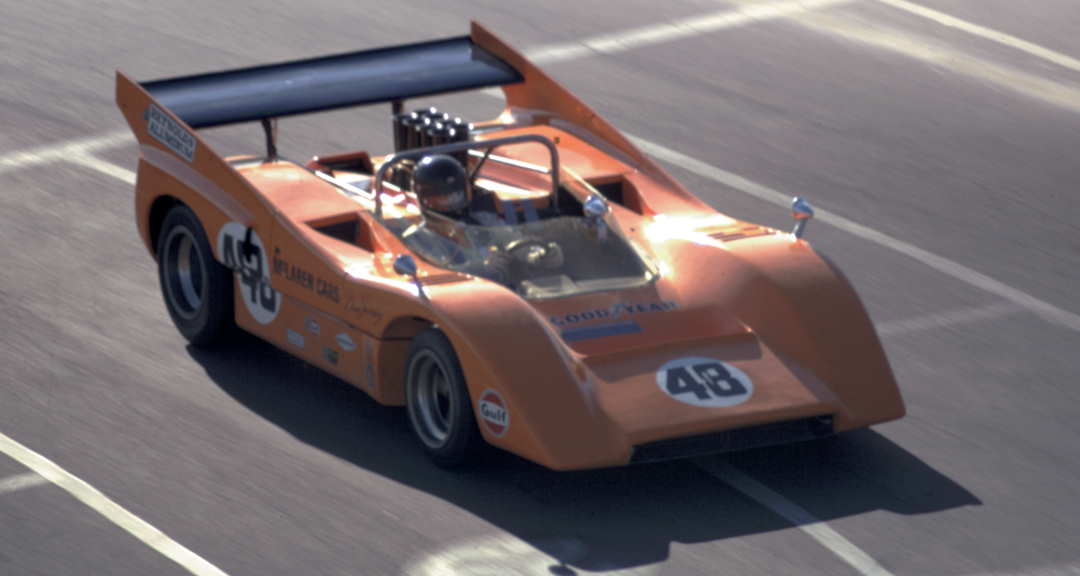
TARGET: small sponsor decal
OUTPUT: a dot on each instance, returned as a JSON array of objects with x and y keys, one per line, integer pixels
[
  {"x": 252, "y": 270},
  {"x": 493, "y": 412},
  {"x": 704, "y": 382},
  {"x": 312, "y": 325},
  {"x": 369, "y": 373},
  {"x": 170, "y": 133},
  {"x": 330, "y": 355},
  {"x": 295, "y": 338},
  {"x": 345, "y": 342},
  {"x": 614, "y": 311}
]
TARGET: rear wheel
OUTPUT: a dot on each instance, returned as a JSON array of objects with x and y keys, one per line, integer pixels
[
  {"x": 440, "y": 409},
  {"x": 198, "y": 290}
]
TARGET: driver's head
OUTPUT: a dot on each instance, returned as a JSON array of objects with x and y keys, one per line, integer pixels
[{"x": 440, "y": 184}]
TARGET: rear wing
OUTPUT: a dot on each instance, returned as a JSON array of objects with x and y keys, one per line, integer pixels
[
  {"x": 163, "y": 113},
  {"x": 329, "y": 82}
]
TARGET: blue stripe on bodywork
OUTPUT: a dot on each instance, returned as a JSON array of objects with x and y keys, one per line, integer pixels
[{"x": 601, "y": 330}]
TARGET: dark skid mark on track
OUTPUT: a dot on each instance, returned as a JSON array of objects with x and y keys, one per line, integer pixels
[{"x": 594, "y": 519}]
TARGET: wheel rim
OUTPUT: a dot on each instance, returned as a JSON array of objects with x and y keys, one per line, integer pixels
[
  {"x": 185, "y": 273},
  {"x": 431, "y": 405}
]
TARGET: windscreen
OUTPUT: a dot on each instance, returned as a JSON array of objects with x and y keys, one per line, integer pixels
[{"x": 520, "y": 237}]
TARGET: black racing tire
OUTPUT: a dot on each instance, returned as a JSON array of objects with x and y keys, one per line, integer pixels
[
  {"x": 198, "y": 290},
  {"x": 438, "y": 402}
]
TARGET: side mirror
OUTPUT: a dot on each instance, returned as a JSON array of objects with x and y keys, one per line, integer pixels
[
  {"x": 595, "y": 207},
  {"x": 802, "y": 212},
  {"x": 405, "y": 265}
]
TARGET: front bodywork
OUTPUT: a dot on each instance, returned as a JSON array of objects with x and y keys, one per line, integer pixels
[{"x": 740, "y": 336}]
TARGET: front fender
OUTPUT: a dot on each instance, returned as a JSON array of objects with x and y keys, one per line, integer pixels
[
  {"x": 802, "y": 306},
  {"x": 503, "y": 344}
]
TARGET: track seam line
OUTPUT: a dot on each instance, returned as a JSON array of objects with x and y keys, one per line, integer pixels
[
  {"x": 115, "y": 513},
  {"x": 947, "y": 319}
]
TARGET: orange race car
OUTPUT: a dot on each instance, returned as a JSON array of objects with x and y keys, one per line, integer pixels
[{"x": 533, "y": 281}]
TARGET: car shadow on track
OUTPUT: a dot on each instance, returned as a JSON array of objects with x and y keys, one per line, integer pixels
[{"x": 595, "y": 519}]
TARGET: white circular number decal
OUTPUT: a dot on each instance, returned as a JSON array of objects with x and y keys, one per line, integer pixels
[
  {"x": 252, "y": 270},
  {"x": 704, "y": 382}
]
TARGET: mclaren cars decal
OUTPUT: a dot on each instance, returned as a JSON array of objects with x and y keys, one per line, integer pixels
[
  {"x": 169, "y": 133},
  {"x": 617, "y": 309},
  {"x": 494, "y": 413},
  {"x": 252, "y": 270},
  {"x": 301, "y": 277},
  {"x": 704, "y": 382}
]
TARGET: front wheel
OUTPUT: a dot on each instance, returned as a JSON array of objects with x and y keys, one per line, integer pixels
[
  {"x": 440, "y": 409},
  {"x": 198, "y": 290}
]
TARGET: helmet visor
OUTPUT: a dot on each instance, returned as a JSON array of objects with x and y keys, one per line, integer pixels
[{"x": 450, "y": 202}]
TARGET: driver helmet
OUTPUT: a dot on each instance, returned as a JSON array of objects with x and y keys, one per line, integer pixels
[{"x": 440, "y": 184}]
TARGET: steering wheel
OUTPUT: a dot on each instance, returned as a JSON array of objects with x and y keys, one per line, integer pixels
[
  {"x": 522, "y": 246},
  {"x": 535, "y": 252}
]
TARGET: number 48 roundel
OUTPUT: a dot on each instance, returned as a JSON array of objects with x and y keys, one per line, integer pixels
[{"x": 704, "y": 382}]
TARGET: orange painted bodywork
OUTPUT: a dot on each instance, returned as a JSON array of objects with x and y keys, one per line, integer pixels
[{"x": 757, "y": 299}]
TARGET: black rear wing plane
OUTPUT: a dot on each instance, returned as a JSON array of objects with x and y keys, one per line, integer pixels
[{"x": 329, "y": 82}]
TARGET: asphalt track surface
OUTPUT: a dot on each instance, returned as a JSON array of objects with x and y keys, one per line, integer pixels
[{"x": 939, "y": 139}]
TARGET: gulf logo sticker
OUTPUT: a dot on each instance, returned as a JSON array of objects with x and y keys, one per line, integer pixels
[
  {"x": 704, "y": 382},
  {"x": 494, "y": 413}
]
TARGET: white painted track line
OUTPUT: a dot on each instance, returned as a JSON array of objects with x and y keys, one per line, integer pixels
[
  {"x": 21, "y": 481},
  {"x": 856, "y": 28},
  {"x": 990, "y": 34},
  {"x": 675, "y": 30},
  {"x": 90, "y": 496},
  {"x": 109, "y": 169},
  {"x": 79, "y": 152},
  {"x": 960, "y": 272},
  {"x": 805, "y": 521},
  {"x": 63, "y": 150}
]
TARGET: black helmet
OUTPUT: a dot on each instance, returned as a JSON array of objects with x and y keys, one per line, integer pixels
[{"x": 440, "y": 184}]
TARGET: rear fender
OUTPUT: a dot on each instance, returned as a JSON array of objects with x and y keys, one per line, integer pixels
[{"x": 175, "y": 161}]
